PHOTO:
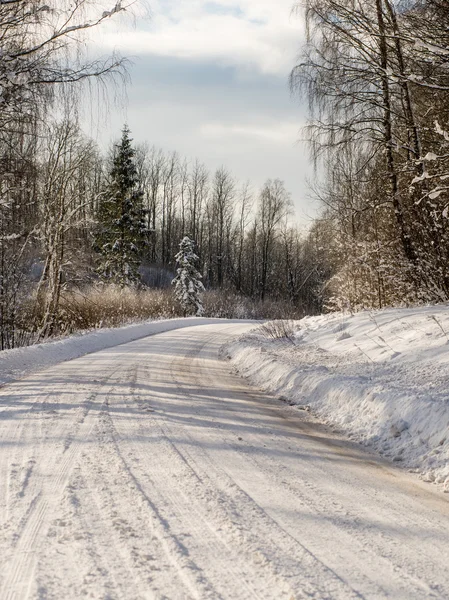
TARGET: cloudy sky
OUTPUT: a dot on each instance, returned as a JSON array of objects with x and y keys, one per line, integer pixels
[{"x": 210, "y": 80}]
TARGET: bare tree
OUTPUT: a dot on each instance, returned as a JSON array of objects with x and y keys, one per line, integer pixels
[
  {"x": 274, "y": 205},
  {"x": 374, "y": 92},
  {"x": 42, "y": 48},
  {"x": 244, "y": 215},
  {"x": 220, "y": 217},
  {"x": 67, "y": 154},
  {"x": 198, "y": 191}
]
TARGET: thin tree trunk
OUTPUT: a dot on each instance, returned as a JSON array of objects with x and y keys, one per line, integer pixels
[{"x": 388, "y": 139}]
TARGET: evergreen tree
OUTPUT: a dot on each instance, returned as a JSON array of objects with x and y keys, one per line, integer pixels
[
  {"x": 188, "y": 286},
  {"x": 122, "y": 231}
]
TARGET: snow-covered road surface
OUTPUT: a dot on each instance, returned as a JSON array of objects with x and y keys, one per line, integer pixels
[{"x": 149, "y": 471}]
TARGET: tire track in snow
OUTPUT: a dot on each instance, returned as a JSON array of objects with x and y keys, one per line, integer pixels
[
  {"x": 103, "y": 536},
  {"x": 176, "y": 554},
  {"x": 265, "y": 541},
  {"x": 227, "y": 574},
  {"x": 186, "y": 486},
  {"x": 370, "y": 572},
  {"x": 51, "y": 476}
]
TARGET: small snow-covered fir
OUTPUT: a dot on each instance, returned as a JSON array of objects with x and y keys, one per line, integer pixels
[{"x": 188, "y": 285}]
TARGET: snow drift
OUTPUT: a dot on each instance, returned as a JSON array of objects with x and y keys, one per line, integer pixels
[{"x": 381, "y": 377}]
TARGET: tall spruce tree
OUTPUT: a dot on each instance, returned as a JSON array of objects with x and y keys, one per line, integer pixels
[{"x": 122, "y": 232}]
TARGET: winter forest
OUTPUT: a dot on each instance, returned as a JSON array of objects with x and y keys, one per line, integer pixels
[{"x": 91, "y": 238}]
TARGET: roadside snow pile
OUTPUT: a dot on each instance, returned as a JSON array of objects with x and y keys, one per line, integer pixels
[
  {"x": 382, "y": 377},
  {"x": 22, "y": 361}
]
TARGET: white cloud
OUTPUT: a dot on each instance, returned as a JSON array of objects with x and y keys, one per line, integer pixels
[
  {"x": 248, "y": 34},
  {"x": 284, "y": 133},
  {"x": 182, "y": 99}
]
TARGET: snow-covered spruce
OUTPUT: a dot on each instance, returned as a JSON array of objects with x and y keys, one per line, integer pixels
[
  {"x": 188, "y": 285},
  {"x": 122, "y": 233}
]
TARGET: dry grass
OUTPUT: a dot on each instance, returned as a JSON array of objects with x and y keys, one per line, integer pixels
[{"x": 111, "y": 306}]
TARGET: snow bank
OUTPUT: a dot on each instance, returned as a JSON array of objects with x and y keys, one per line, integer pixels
[
  {"x": 381, "y": 377},
  {"x": 22, "y": 361}
]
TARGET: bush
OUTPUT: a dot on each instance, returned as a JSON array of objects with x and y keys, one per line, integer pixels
[
  {"x": 229, "y": 305},
  {"x": 279, "y": 330}
]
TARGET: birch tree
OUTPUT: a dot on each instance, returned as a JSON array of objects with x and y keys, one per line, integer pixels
[{"x": 373, "y": 90}]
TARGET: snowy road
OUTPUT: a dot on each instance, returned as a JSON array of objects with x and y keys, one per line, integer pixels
[{"x": 149, "y": 471}]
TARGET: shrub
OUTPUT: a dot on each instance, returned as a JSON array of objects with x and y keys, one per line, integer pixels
[{"x": 279, "y": 330}]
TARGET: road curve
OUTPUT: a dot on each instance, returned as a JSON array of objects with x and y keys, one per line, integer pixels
[{"x": 149, "y": 470}]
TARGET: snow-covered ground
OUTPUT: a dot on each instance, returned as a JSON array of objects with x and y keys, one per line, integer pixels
[
  {"x": 19, "y": 362},
  {"x": 381, "y": 377},
  {"x": 149, "y": 471}
]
